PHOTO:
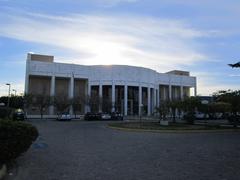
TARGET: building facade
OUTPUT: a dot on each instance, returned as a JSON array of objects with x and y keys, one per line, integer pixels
[{"x": 127, "y": 89}]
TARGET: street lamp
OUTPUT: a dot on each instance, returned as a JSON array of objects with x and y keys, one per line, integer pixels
[
  {"x": 15, "y": 91},
  {"x": 9, "y": 88}
]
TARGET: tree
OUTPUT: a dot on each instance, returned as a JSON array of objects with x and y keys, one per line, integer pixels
[
  {"x": 163, "y": 110},
  {"x": 189, "y": 106},
  {"x": 218, "y": 107},
  {"x": 40, "y": 101},
  {"x": 95, "y": 103},
  {"x": 77, "y": 103},
  {"x": 107, "y": 105},
  {"x": 27, "y": 101},
  {"x": 232, "y": 98},
  {"x": 15, "y": 101},
  {"x": 62, "y": 103},
  {"x": 174, "y": 105}
]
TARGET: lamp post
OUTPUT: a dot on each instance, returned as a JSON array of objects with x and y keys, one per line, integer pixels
[
  {"x": 9, "y": 88},
  {"x": 15, "y": 91}
]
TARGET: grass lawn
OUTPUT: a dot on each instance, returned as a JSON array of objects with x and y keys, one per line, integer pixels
[{"x": 171, "y": 126}]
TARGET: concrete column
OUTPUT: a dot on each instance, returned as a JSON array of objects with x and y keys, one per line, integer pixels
[
  {"x": 86, "y": 96},
  {"x": 195, "y": 90},
  {"x": 181, "y": 92},
  {"x": 158, "y": 96},
  {"x": 163, "y": 91},
  {"x": 149, "y": 101},
  {"x": 26, "y": 89},
  {"x": 175, "y": 92},
  {"x": 71, "y": 87},
  {"x": 71, "y": 92},
  {"x": 113, "y": 97},
  {"x": 89, "y": 96},
  {"x": 154, "y": 100},
  {"x": 100, "y": 96},
  {"x": 125, "y": 100},
  {"x": 89, "y": 89},
  {"x": 26, "y": 84},
  {"x": 139, "y": 100},
  {"x": 52, "y": 90},
  {"x": 52, "y": 94},
  {"x": 170, "y": 92}
]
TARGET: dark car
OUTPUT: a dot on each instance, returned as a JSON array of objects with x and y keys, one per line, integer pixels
[
  {"x": 116, "y": 116},
  {"x": 234, "y": 119},
  {"x": 92, "y": 116},
  {"x": 18, "y": 115}
]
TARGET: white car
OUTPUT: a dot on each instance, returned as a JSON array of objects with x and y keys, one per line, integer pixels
[
  {"x": 65, "y": 117},
  {"x": 105, "y": 116}
]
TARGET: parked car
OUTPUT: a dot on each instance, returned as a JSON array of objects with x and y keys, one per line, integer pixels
[
  {"x": 105, "y": 116},
  {"x": 234, "y": 119},
  {"x": 92, "y": 116},
  {"x": 64, "y": 117},
  {"x": 97, "y": 116},
  {"x": 201, "y": 116},
  {"x": 18, "y": 115},
  {"x": 116, "y": 116}
]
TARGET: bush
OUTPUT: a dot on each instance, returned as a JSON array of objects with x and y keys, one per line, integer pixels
[
  {"x": 5, "y": 112},
  {"x": 190, "y": 118},
  {"x": 15, "y": 139},
  {"x": 234, "y": 119}
]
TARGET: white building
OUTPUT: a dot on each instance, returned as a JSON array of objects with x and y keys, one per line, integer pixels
[{"x": 131, "y": 90}]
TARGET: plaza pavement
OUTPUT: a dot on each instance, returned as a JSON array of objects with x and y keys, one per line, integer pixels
[{"x": 80, "y": 150}]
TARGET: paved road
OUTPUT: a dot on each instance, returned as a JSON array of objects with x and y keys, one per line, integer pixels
[{"x": 89, "y": 150}]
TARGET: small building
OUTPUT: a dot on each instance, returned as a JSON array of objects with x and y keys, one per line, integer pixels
[{"x": 130, "y": 90}]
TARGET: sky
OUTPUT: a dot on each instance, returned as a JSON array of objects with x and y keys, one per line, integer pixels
[{"x": 197, "y": 36}]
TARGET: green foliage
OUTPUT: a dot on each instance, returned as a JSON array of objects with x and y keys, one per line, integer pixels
[
  {"x": 16, "y": 102},
  {"x": 189, "y": 117},
  {"x": 175, "y": 105},
  {"x": 15, "y": 139},
  {"x": 218, "y": 107},
  {"x": 189, "y": 106},
  {"x": 5, "y": 112},
  {"x": 231, "y": 97}
]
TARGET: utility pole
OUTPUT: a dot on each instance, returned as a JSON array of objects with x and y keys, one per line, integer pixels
[{"x": 9, "y": 89}]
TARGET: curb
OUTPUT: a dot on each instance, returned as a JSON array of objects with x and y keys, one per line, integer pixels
[
  {"x": 3, "y": 171},
  {"x": 173, "y": 131}
]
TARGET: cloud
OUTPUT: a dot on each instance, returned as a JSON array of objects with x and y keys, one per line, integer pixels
[
  {"x": 208, "y": 88},
  {"x": 210, "y": 82},
  {"x": 110, "y": 3},
  {"x": 161, "y": 44}
]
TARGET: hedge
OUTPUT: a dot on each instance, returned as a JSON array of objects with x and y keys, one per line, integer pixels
[
  {"x": 15, "y": 139},
  {"x": 5, "y": 112}
]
